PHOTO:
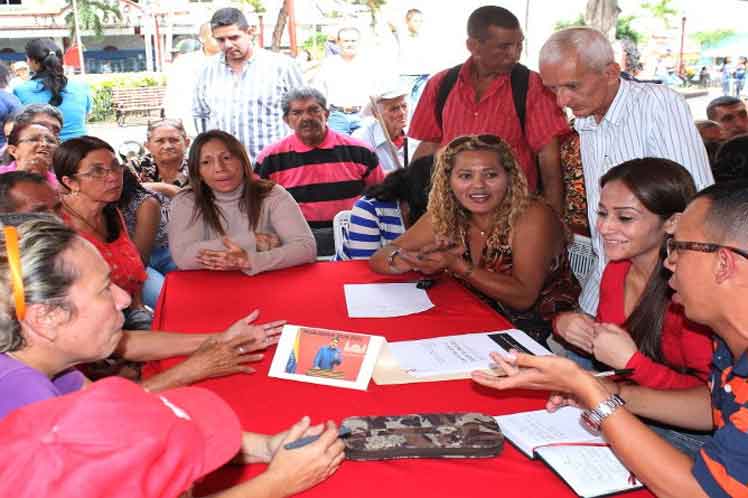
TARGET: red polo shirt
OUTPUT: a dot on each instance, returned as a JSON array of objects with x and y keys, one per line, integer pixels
[{"x": 493, "y": 114}]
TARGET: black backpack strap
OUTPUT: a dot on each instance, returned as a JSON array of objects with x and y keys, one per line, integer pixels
[
  {"x": 520, "y": 79},
  {"x": 445, "y": 86}
]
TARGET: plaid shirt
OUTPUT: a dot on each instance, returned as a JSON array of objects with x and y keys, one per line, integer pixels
[{"x": 246, "y": 104}]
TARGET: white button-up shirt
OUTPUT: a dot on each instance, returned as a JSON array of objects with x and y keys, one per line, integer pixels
[
  {"x": 644, "y": 120},
  {"x": 372, "y": 134}
]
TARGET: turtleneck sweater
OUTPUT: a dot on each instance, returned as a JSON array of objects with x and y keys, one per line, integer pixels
[{"x": 279, "y": 215}]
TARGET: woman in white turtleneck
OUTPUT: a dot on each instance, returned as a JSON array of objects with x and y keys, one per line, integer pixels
[{"x": 228, "y": 219}]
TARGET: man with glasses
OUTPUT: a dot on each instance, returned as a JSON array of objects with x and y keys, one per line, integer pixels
[
  {"x": 708, "y": 256},
  {"x": 325, "y": 171}
]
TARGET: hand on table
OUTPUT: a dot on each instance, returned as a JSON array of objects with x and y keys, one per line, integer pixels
[
  {"x": 612, "y": 345},
  {"x": 301, "y": 468},
  {"x": 266, "y": 241},
  {"x": 233, "y": 258},
  {"x": 216, "y": 358},
  {"x": 258, "y": 336},
  {"x": 578, "y": 329}
]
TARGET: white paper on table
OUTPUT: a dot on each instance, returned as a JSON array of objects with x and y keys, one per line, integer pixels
[
  {"x": 385, "y": 300},
  {"x": 456, "y": 353}
]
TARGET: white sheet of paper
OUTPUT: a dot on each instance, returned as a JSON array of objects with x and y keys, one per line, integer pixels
[
  {"x": 590, "y": 471},
  {"x": 528, "y": 430},
  {"x": 455, "y": 353},
  {"x": 385, "y": 300}
]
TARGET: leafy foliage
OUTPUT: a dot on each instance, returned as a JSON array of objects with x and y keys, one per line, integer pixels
[
  {"x": 102, "y": 91},
  {"x": 711, "y": 38},
  {"x": 92, "y": 15},
  {"x": 662, "y": 9},
  {"x": 563, "y": 24},
  {"x": 257, "y": 5}
]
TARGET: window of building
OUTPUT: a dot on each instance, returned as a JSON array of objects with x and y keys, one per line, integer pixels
[{"x": 10, "y": 2}]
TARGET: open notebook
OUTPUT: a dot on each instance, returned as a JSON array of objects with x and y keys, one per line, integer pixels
[{"x": 589, "y": 470}]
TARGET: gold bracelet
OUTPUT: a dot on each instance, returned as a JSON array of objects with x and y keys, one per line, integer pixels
[{"x": 391, "y": 259}]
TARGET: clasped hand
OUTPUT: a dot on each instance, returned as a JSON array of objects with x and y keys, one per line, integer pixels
[
  {"x": 608, "y": 343},
  {"x": 233, "y": 258},
  {"x": 433, "y": 258}
]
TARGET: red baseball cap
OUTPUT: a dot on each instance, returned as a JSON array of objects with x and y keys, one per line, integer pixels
[{"x": 115, "y": 440}]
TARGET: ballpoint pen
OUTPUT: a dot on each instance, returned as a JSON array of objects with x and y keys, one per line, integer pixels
[
  {"x": 301, "y": 442},
  {"x": 615, "y": 373}
]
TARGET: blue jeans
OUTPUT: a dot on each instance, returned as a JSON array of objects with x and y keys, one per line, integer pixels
[
  {"x": 688, "y": 442},
  {"x": 159, "y": 265},
  {"x": 343, "y": 123}
]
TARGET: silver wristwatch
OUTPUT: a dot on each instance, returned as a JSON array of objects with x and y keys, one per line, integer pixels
[{"x": 592, "y": 419}]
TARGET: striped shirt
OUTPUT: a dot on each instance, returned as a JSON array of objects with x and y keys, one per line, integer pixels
[
  {"x": 644, "y": 120},
  {"x": 246, "y": 104},
  {"x": 721, "y": 467},
  {"x": 325, "y": 179},
  {"x": 373, "y": 224},
  {"x": 493, "y": 114}
]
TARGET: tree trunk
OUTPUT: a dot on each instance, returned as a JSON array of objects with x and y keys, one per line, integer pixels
[
  {"x": 280, "y": 25},
  {"x": 602, "y": 14}
]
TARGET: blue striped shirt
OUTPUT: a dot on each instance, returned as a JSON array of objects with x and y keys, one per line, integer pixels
[
  {"x": 246, "y": 104},
  {"x": 373, "y": 224}
]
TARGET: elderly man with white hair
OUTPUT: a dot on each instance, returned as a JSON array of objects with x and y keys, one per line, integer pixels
[
  {"x": 617, "y": 119},
  {"x": 384, "y": 131}
]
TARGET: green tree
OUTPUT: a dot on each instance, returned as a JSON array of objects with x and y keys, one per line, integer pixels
[
  {"x": 563, "y": 24},
  {"x": 624, "y": 31},
  {"x": 92, "y": 15},
  {"x": 711, "y": 38},
  {"x": 373, "y": 5},
  {"x": 662, "y": 10}
]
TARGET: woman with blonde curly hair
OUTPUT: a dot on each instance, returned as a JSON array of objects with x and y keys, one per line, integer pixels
[{"x": 483, "y": 227}]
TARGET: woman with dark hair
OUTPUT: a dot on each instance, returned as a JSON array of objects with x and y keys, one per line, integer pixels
[
  {"x": 30, "y": 148},
  {"x": 91, "y": 177},
  {"x": 387, "y": 209},
  {"x": 49, "y": 85},
  {"x": 485, "y": 228},
  {"x": 146, "y": 215},
  {"x": 638, "y": 326},
  {"x": 227, "y": 219}
]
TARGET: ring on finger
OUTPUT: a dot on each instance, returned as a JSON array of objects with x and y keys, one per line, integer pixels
[{"x": 241, "y": 349}]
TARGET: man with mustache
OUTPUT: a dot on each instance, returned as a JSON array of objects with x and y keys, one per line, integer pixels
[
  {"x": 325, "y": 171},
  {"x": 240, "y": 90}
]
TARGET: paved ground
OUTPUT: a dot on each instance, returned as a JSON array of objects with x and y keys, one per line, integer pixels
[{"x": 116, "y": 135}]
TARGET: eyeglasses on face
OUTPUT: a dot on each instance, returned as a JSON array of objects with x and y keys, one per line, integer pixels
[
  {"x": 40, "y": 139},
  {"x": 673, "y": 245},
  {"x": 99, "y": 172}
]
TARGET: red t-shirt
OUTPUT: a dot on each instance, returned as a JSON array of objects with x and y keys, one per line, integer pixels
[
  {"x": 684, "y": 343},
  {"x": 494, "y": 114},
  {"x": 122, "y": 256}
]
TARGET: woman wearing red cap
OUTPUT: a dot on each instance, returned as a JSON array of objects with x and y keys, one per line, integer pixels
[{"x": 60, "y": 308}]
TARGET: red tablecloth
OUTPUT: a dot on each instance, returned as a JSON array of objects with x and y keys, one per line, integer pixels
[{"x": 313, "y": 295}]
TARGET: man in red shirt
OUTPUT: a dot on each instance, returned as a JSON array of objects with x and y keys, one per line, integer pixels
[{"x": 481, "y": 101}]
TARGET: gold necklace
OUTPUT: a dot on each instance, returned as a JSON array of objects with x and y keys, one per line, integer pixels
[{"x": 75, "y": 213}]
